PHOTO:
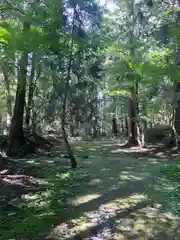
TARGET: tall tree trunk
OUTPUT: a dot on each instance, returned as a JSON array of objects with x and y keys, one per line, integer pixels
[
  {"x": 126, "y": 130},
  {"x": 1, "y": 124},
  {"x": 64, "y": 104},
  {"x": 30, "y": 91},
  {"x": 134, "y": 106},
  {"x": 96, "y": 130},
  {"x": 8, "y": 99},
  {"x": 144, "y": 123},
  {"x": 71, "y": 127},
  {"x": 114, "y": 126},
  {"x": 133, "y": 136},
  {"x": 63, "y": 120},
  {"x": 95, "y": 120},
  {"x": 16, "y": 135},
  {"x": 177, "y": 115}
]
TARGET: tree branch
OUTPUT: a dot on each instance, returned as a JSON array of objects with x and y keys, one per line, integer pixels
[{"x": 9, "y": 6}]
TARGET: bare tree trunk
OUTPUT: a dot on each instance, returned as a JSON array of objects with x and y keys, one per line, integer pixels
[
  {"x": 126, "y": 129},
  {"x": 133, "y": 136},
  {"x": 72, "y": 126},
  {"x": 8, "y": 99},
  {"x": 114, "y": 126},
  {"x": 16, "y": 135},
  {"x": 134, "y": 104},
  {"x": 65, "y": 137},
  {"x": 64, "y": 105},
  {"x": 1, "y": 124},
  {"x": 30, "y": 91},
  {"x": 177, "y": 115},
  {"x": 144, "y": 123}
]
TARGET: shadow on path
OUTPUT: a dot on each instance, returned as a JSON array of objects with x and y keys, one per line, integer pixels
[{"x": 116, "y": 203}]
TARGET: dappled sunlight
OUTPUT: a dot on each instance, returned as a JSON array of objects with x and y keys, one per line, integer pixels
[
  {"x": 127, "y": 150},
  {"x": 129, "y": 176},
  {"x": 148, "y": 223},
  {"x": 50, "y": 161},
  {"x": 63, "y": 176},
  {"x": 99, "y": 221},
  {"x": 86, "y": 198},
  {"x": 78, "y": 147},
  {"x": 71, "y": 229},
  {"x": 93, "y": 149},
  {"x": 153, "y": 160},
  {"x": 126, "y": 202},
  {"x": 105, "y": 169},
  {"x": 45, "y": 214},
  {"x": 33, "y": 162},
  {"x": 106, "y": 198},
  {"x": 88, "y": 162},
  {"x": 115, "y": 186},
  {"x": 39, "y": 200},
  {"x": 95, "y": 181}
]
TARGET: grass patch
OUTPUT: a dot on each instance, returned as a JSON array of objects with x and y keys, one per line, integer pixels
[
  {"x": 43, "y": 209},
  {"x": 167, "y": 187}
]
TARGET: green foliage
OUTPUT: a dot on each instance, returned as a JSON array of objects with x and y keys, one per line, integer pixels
[
  {"x": 118, "y": 93},
  {"x": 4, "y": 36},
  {"x": 172, "y": 172},
  {"x": 169, "y": 187}
]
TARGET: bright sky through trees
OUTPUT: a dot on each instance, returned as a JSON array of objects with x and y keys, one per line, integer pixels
[{"x": 109, "y": 4}]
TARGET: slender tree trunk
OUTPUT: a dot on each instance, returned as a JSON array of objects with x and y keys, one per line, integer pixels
[
  {"x": 65, "y": 136},
  {"x": 33, "y": 126},
  {"x": 143, "y": 134},
  {"x": 96, "y": 128},
  {"x": 114, "y": 119},
  {"x": 64, "y": 104},
  {"x": 132, "y": 125},
  {"x": 30, "y": 91},
  {"x": 96, "y": 132},
  {"x": 1, "y": 124},
  {"x": 114, "y": 126},
  {"x": 71, "y": 127},
  {"x": 177, "y": 115},
  {"x": 16, "y": 135},
  {"x": 133, "y": 137},
  {"x": 72, "y": 130},
  {"x": 90, "y": 121},
  {"x": 8, "y": 99},
  {"x": 126, "y": 130},
  {"x": 144, "y": 124}
]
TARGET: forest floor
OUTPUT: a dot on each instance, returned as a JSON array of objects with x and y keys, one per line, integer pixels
[{"x": 115, "y": 193}]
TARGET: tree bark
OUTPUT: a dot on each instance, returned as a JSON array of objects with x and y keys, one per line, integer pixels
[
  {"x": 65, "y": 136},
  {"x": 133, "y": 133},
  {"x": 8, "y": 99},
  {"x": 177, "y": 114},
  {"x": 64, "y": 104},
  {"x": 30, "y": 91},
  {"x": 114, "y": 126},
  {"x": 126, "y": 130},
  {"x": 16, "y": 135}
]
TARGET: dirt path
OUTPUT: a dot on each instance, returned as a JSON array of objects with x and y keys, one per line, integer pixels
[{"x": 117, "y": 202}]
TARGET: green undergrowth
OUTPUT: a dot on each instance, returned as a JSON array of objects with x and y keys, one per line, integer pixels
[
  {"x": 39, "y": 211},
  {"x": 167, "y": 187}
]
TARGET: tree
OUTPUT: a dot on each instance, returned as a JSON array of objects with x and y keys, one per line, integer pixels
[
  {"x": 37, "y": 44},
  {"x": 16, "y": 135},
  {"x": 30, "y": 89}
]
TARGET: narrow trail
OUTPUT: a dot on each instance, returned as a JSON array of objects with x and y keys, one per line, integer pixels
[{"x": 117, "y": 202}]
